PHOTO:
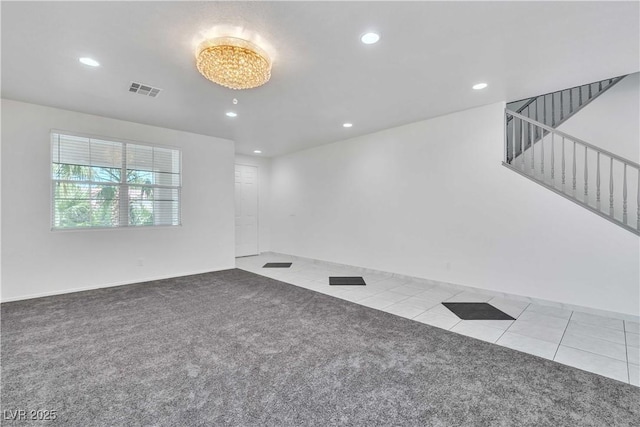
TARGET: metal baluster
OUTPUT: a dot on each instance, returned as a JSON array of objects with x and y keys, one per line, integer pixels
[
  {"x": 536, "y": 128},
  {"x": 570, "y": 101},
  {"x": 544, "y": 109},
  {"x": 600, "y": 86},
  {"x": 513, "y": 140},
  {"x": 533, "y": 151},
  {"x": 574, "y": 167},
  {"x": 611, "y": 188},
  {"x": 580, "y": 98},
  {"x": 598, "y": 180},
  {"x": 586, "y": 176},
  {"x": 530, "y": 116},
  {"x": 553, "y": 150},
  {"x": 553, "y": 110},
  {"x": 563, "y": 165},
  {"x": 590, "y": 94},
  {"x": 522, "y": 142},
  {"x": 506, "y": 138},
  {"x": 561, "y": 105},
  {"x": 624, "y": 195},
  {"x": 542, "y": 154}
]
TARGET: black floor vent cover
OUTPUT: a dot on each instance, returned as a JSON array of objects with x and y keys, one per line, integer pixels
[
  {"x": 277, "y": 265},
  {"x": 476, "y": 311},
  {"x": 347, "y": 281}
]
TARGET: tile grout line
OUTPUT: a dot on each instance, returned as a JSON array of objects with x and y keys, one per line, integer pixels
[
  {"x": 533, "y": 338},
  {"x": 460, "y": 320},
  {"x": 596, "y": 354},
  {"x": 505, "y": 331},
  {"x": 585, "y": 335},
  {"x": 513, "y": 323},
  {"x": 438, "y": 315},
  {"x": 599, "y": 326},
  {"x": 561, "y": 338},
  {"x": 419, "y": 314}
]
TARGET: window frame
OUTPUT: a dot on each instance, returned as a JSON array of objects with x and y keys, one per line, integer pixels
[{"x": 122, "y": 185}]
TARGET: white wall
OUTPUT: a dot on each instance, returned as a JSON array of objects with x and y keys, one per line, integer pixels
[
  {"x": 264, "y": 223},
  {"x": 37, "y": 261},
  {"x": 612, "y": 120},
  {"x": 431, "y": 200}
]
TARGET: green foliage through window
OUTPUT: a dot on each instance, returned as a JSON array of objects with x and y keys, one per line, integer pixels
[{"x": 98, "y": 183}]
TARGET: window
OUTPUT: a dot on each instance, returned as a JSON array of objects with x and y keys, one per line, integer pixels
[{"x": 97, "y": 183}]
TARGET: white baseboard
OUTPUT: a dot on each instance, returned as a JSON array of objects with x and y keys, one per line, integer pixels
[
  {"x": 540, "y": 301},
  {"x": 111, "y": 284}
]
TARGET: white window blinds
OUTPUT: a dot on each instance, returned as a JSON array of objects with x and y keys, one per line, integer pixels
[{"x": 101, "y": 183}]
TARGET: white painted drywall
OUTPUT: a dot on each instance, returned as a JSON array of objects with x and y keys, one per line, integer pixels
[
  {"x": 264, "y": 171},
  {"x": 612, "y": 120},
  {"x": 37, "y": 261},
  {"x": 431, "y": 200}
]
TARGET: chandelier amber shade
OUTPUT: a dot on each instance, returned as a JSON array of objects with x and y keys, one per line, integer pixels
[{"x": 234, "y": 63}]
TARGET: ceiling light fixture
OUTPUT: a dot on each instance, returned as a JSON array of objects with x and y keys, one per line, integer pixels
[
  {"x": 479, "y": 86},
  {"x": 234, "y": 63},
  {"x": 89, "y": 61},
  {"x": 370, "y": 38},
  {"x": 257, "y": 151},
  {"x": 231, "y": 114},
  {"x": 347, "y": 125}
]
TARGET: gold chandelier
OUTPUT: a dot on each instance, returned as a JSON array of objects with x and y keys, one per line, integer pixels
[{"x": 234, "y": 63}]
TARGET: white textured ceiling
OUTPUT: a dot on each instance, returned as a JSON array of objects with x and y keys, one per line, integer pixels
[{"x": 429, "y": 56}]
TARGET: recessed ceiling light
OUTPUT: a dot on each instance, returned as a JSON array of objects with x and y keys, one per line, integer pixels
[
  {"x": 231, "y": 114},
  {"x": 370, "y": 38},
  {"x": 347, "y": 125},
  {"x": 89, "y": 61},
  {"x": 480, "y": 86},
  {"x": 257, "y": 151}
]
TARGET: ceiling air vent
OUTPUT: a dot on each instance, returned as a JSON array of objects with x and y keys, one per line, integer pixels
[{"x": 143, "y": 89}]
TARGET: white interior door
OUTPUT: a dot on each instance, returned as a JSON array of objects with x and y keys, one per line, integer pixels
[{"x": 246, "y": 210}]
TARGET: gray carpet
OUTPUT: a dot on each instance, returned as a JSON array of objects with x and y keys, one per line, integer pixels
[{"x": 235, "y": 348}]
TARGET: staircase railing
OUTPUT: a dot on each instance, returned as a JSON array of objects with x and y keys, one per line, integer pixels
[
  {"x": 553, "y": 109},
  {"x": 597, "y": 179}
]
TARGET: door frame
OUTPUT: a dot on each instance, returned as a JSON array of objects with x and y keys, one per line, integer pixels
[{"x": 257, "y": 201}]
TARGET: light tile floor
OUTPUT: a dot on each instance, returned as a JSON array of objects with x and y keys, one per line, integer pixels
[{"x": 602, "y": 345}]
